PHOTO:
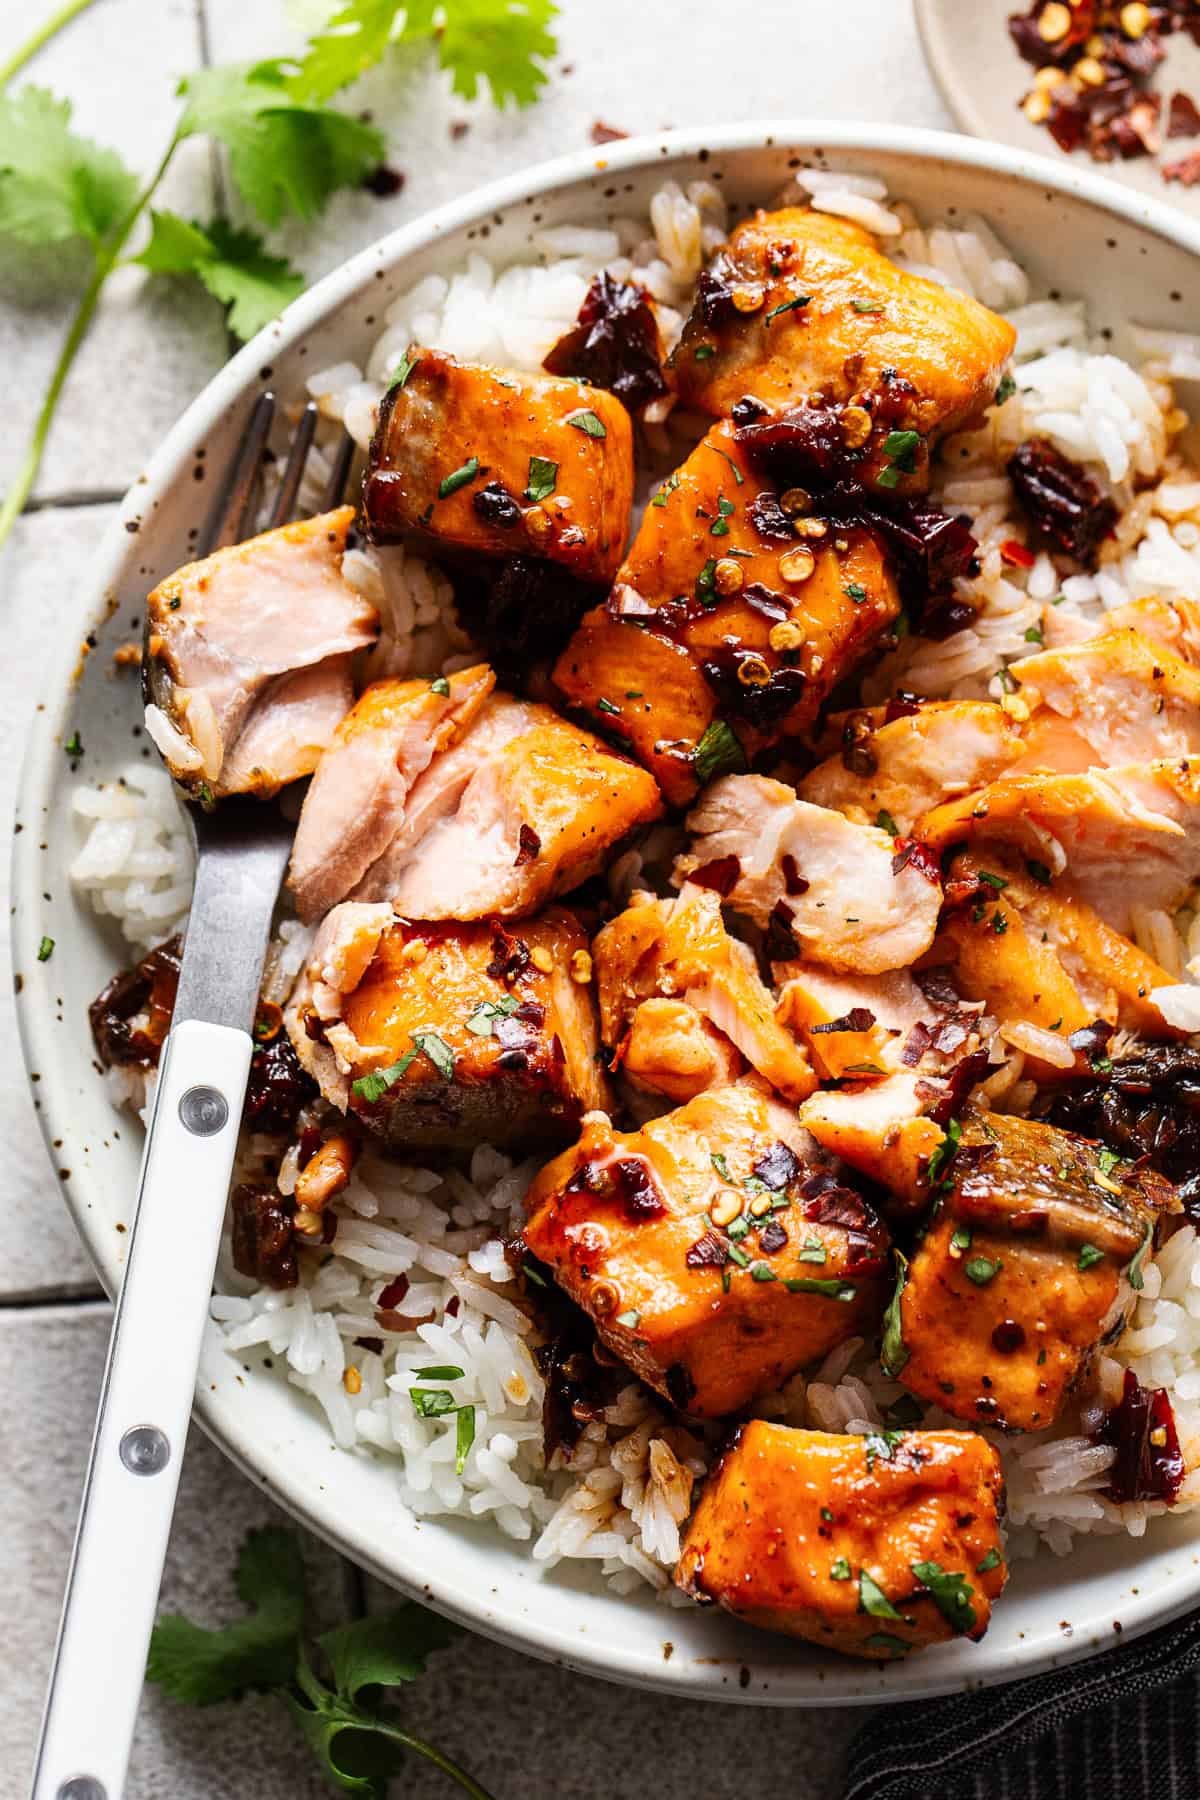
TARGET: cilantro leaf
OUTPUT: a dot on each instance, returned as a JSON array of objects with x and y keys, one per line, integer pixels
[
  {"x": 894, "y": 1352},
  {"x": 384, "y": 1649},
  {"x": 234, "y": 265},
  {"x": 951, "y": 1594},
  {"x": 284, "y": 155},
  {"x": 502, "y": 42},
  {"x": 718, "y": 753},
  {"x": 203, "y": 1667},
  {"x": 54, "y": 184}
]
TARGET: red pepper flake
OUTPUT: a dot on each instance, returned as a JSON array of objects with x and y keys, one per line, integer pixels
[
  {"x": 607, "y": 134},
  {"x": 923, "y": 859},
  {"x": 721, "y": 875},
  {"x": 859, "y": 1018},
  {"x": 1186, "y": 171},
  {"x": 792, "y": 878},
  {"x": 708, "y": 1252},
  {"x": 393, "y": 1293},
  {"x": 528, "y": 846},
  {"x": 915, "y": 1044},
  {"x": 1149, "y": 1463},
  {"x": 1183, "y": 117},
  {"x": 781, "y": 943},
  {"x": 1016, "y": 554}
]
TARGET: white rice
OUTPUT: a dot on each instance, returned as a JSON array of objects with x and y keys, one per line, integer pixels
[{"x": 627, "y": 1488}]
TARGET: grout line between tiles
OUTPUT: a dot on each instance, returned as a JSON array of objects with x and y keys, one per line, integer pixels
[{"x": 44, "y": 1302}]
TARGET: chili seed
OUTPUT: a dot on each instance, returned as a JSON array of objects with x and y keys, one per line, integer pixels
[
  {"x": 856, "y": 426},
  {"x": 727, "y": 576},
  {"x": 753, "y": 672},
  {"x": 794, "y": 501},
  {"x": 541, "y": 958},
  {"x": 726, "y": 1207},
  {"x": 787, "y": 635},
  {"x": 1135, "y": 19},
  {"x": 798, "y": 564},
  {"x": 1054, "y": 23},
  {"x": 581, "y": 967},
  {"x": 747, "y": 299}
]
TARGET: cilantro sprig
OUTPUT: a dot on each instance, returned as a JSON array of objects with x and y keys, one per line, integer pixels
[
  {"x": 335, "y": 1696},
  {"x": 288, "y": 151}
]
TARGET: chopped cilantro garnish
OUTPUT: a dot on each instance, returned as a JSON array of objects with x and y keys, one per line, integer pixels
[
  {"x": 854, "y": 590},
  {"x": 1108, "y": 1160},
  {"x": 1089, "y": 1256},
  {"x": 1038, "y": 871},
  {"x": 814, "y": 1251},
  {"x": 999, "y": 924},
  {"x": 587, "y": 422},
  {"x": 787, "y": 306},
  {"x": 882, "y": 1444},
  {"x": 885, "y": 822},
  {"x": 543, "y": 474},
  {"x": 438, "y": 1052},
  {"x": 900, "y": 448},
  {"x": 440, "y": 686},
  {"x": 440, "y": 1372},
  {"x": 488, "y": 1011},
  {"x": 458, "y": 478},
  {"x": 720, "y": 1165},
  {"x": 702, "y": 352},
  {"x": 1034, "y": 635},
  {"x": 464, "y": 1437},
  {"x": 982, "y": 1269},
  {"x": 990, "y": 1561},
  {"x": 736, "y": 472},
  {"x": 761, "y": 1271},
  {"x": 73, "y": 745},
  {"x": 941, "y": 1157},
  {"x": 402, "y": 371},
  {"x": 996, "y": 881},
  {"x": 431, "y": 1403},
  {"x": 862, "y": 1068},
  {"x": 718, "y": 753},
  {"x": 951, "y": 1594},
  {"x": 374, "y": 1086},
  {"x": 631, "y": 1319},
  {"x": 739, "y": 1256},
  {"x": 668, "y": 487},
  {"x": 884, "y": 1640},
  {"x": 872, "y": 1599},
  {"x": 961, "y": 1239},
  {"x": 827, "y": 1514},
  {"x": 45, "y": 949},
  {"x": 893, "y": 1352},
  {"x": 606, "y": 706},
  {"x": 840, "y": 1570},
  {"x": 833, "y": 1289},
  {"x": 1133, "y": 1269},
  {"x": 725, "y": 510},
  {"x": 1006, "y": 389}
]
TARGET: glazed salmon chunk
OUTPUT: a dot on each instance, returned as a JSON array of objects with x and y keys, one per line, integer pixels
[
  {"x": 449, "y": 1033},
  {"x": 730, "y": 623},
  {"x": 515, "y": 807},
  {"x": 661, "y": 959},
  {"x": 248, "y": 670},
  {"x": 799, "y": 304},
  {"x": 711, "y": 1249},
  {"x": 873, "y": 1546},
  {"x": 825, "y": 888},
  {"x": 482, "y": 459},
  {"x": 1033, "y": 1255},
  {"x": 1123, "y": 698}
]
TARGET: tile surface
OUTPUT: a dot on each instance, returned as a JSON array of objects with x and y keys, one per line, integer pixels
[{"x": 529, "y": 1731}]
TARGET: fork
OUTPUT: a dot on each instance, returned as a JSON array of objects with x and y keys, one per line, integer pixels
[{"x": 154, "y": 1350}]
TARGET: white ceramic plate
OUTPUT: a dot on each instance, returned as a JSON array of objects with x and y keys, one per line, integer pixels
[
  {"x": 1133, "y": 259},
  {"x": 983, "y": 81}
]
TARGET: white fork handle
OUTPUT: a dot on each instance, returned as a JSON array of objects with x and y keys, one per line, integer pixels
[{"x": 145, "y": 1405}]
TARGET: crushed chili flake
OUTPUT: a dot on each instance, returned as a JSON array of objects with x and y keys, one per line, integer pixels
[
  {"x": 780, "y": 943},
  {"x": 923, "y": 859},
  {"x": 1062, "y": 501},
  {"x": 606, "y": 134},
  {"x": 1149, "y": 1463},
  {"x": 528, "y": 846},
  {"x": 1016, "y": 554},
  {"x": 1183, "y": 116},
  {"x": 777, "y": 1166},
  {"x": 1186, "y": 171},
  {"x": 614, "y": 343},
  {"x": 708, "y": 1252},
  {"x": 916, "y": 1044},
  {"x": 773, "y": 1237},
  {"x": 721, "y": 875},
  {"x": 859, "y": 1018}
]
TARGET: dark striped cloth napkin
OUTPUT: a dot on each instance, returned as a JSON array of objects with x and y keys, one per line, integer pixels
[{"x": 1123, "y": 1726}]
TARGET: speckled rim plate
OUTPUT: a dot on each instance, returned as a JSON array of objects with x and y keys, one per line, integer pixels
[
  {"x": 1133, "y": 257},
  {"x": 983, "y": 80}
]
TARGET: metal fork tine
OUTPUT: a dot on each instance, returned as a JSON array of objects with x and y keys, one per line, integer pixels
[
  {"x": 335, "y": 487},
  {"x": 227, "y": 519},
  {"x": 289, "y": 486}
]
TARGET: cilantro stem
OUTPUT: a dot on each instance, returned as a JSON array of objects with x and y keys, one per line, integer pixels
[
  {"x": 107, "y": 256},
  {"x": 58, "y": 19},
  {"x": 435, "y": 1756}
]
